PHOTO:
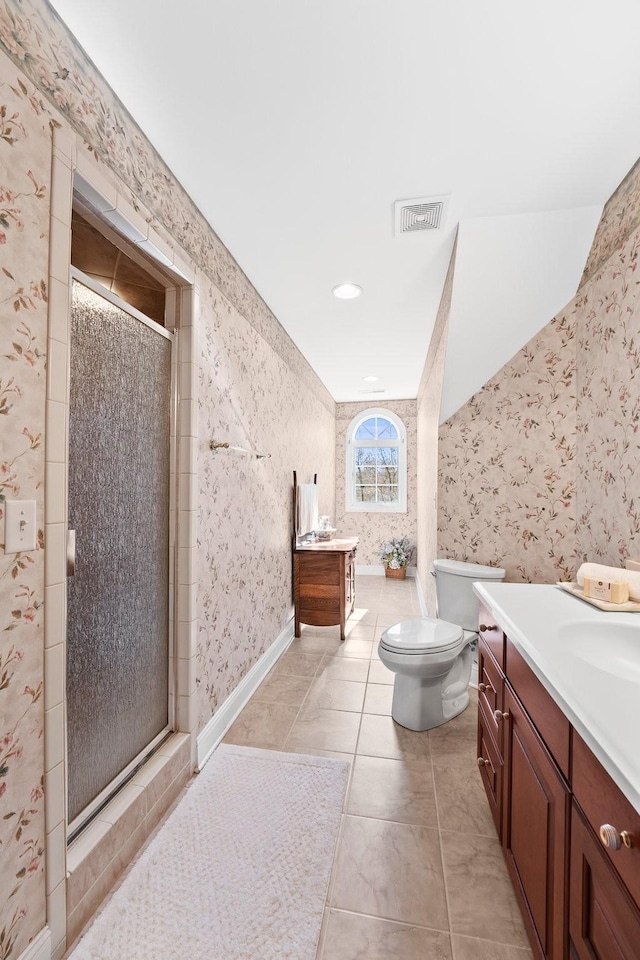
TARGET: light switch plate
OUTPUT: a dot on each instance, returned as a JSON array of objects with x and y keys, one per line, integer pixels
[{"x": 19, "y": 526}]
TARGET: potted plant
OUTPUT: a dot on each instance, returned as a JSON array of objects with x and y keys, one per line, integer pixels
[{"x": 396, "y": 556}]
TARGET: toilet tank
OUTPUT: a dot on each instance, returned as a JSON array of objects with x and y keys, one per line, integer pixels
[{"x": 457, "y": 602}]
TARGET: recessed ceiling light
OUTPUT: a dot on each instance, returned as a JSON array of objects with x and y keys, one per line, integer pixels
[
  {"x": 347, "y": 291},
  {"x": 370, "y": 379}
]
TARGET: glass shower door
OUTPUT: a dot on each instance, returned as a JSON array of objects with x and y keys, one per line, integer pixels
[{"x": 118, "y": 593}]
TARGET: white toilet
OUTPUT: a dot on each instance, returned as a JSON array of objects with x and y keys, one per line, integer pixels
[{"x": 432, "y": 658}]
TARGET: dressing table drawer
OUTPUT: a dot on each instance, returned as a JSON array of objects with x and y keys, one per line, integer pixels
[
  {"x": 491, "y": 693},
  {"x": 604, "y": 805},
  {"x": 492, "y": 635},
  {"x": 324, "y": 583}
]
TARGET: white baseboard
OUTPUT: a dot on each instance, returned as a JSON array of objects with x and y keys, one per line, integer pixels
[
  {"x": 377, "y": 570},
  {"x": 39, "y": 948},
  {"x": 209, "y": 738}
]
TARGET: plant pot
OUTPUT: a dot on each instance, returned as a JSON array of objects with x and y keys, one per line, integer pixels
[{"x": 398, "y": 574}]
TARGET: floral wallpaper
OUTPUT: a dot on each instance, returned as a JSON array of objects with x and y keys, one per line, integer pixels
[
  {"x": 538, "y": 471},
  {"x": 507, "y": 483},
  {"x": 374, "y": 528},
  {"x": 25, "y": 150},
  {"x": 249, "y": 396},
  {"x": 257, "y": 389},
  {"x": 508, "y": 467},
  {"x": 608, "y": 414},
  {"x": 620, "y": 217}
]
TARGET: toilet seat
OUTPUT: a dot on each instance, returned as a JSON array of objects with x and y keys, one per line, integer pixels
[{"x": 422, "y": 635}]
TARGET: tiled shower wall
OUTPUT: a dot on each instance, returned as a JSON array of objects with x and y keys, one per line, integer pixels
[
  {"x": 537, "y": 469},
  {"x": 257, "y": 391}
]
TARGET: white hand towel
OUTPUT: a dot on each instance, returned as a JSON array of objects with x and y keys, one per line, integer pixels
[
  {"x": 307, "y": 500},
  {"x": 600, "y": 572}
]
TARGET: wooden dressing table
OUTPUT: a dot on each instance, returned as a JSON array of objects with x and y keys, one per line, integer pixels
[{"x": 324, "y": 583}]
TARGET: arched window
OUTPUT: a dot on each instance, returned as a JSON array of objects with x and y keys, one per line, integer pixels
[{"x": 376, "y": 463}]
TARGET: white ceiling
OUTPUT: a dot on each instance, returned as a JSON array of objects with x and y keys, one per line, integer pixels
[{"x": 296, "y": 125}]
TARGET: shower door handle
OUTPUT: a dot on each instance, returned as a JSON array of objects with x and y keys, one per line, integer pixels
[{"x": 71, "y": 552}]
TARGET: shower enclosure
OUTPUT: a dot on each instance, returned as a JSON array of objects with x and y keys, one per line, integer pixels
[{"x": 118, "y": 603}]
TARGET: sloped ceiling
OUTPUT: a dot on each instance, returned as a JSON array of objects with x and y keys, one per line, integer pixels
[
  {"x": 512, "y": 275},
  {"x": 295, "y": 126}
]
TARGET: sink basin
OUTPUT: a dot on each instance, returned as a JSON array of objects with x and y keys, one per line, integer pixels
[{"x": 609, "y": 646}]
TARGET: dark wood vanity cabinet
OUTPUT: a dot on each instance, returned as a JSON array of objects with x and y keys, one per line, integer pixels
[
  {"x": 549, "y": 797},
  {"x": 324, "y": 585},
  {"x": 490, "y": 764},
  {"x": 604, "y": 922},
  {"x": 536, "y": 804}
]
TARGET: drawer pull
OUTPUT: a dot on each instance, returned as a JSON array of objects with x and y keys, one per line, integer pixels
[
  {"x": 484, "y": 687},
  {"x": 499, "y": 716},
  {"x": 485, "y": 763},
  {"x": 613, "y": 840},
  {"x": 484, "y": 628}
]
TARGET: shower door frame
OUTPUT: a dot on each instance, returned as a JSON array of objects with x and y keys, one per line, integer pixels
[
  {"x": 76, "y": 173},
  {"x": 75, "y": 826}
]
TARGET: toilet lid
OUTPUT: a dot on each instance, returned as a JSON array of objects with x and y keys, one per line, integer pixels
[{"x": 423, "y": 635}]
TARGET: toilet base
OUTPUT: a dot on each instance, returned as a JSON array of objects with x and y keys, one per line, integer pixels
[
  {"x": 422, "y": 703},
  {"x": 411, "y": 709}
]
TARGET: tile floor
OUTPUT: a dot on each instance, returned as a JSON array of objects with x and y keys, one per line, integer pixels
[{"x": 418, "y": 871}]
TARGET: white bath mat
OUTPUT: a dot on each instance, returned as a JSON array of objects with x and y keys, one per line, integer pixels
[{"x": 238, "y": 872}]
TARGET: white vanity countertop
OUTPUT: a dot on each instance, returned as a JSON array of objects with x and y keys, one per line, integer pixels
[{"x": 601, "y": 701}]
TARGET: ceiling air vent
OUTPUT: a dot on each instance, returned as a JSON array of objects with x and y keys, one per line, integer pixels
[{"x": 417, "y": 216}]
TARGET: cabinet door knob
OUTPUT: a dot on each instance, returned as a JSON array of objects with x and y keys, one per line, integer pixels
[
  {"x": 484, "y": 628},
  {"x": 499, "y": 716},
  {"x": 485, "y": 763},
  {"x": 612, "y": 839},
  {"x": 482, "y": 687}
]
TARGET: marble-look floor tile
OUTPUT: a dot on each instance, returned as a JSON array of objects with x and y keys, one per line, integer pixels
[
  {"x": 378, "y": 673},
  {"x": 392, "y": 871},
  {"x": 481, "y": 899},
  {"x": 363, "y": 614},
  {"x": 360, "y": 649},
  {"x": 262, "y": 725},
  {"x": 469, "y": 948},
  {"x": 382, "y": 737},
  {"x": 324, "y": 730},
  {"x": 316, "y": 643},
  {"x": 456, "y": 739},
  {"x": 296, "y": 663},
  {"x": 332, "y": 694},
  {"x": 350, "y": 936},
  {"x": 343, "y": 668},
  {"x": 400, "y": 790},
  {"x": 462, "y": 802},
  {"x": 360, "y": 631},
  {"x": 378, "y": 699},
  {"x": 330, "y": 754},
  {"x": 397, "y": 616},
  {"x": 283, "y": 689}
]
